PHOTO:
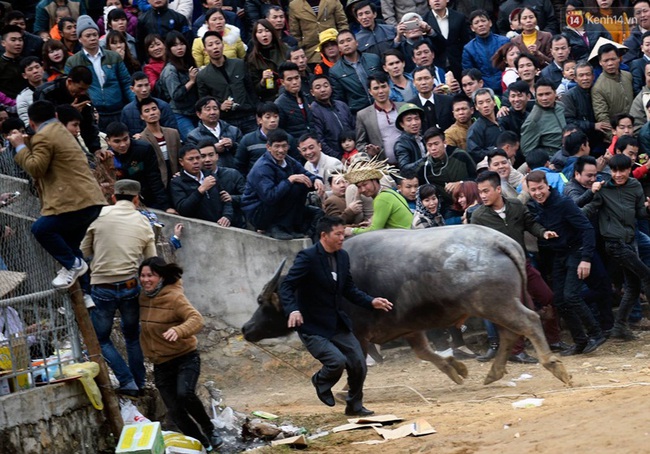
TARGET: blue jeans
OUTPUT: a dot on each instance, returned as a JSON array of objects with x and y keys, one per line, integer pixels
[
  {"x": 61, "y": 234},
  {"x": 185, "y": 125},
  {"x": 126, "y": 301}
]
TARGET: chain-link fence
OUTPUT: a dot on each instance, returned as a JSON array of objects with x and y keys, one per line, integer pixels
[{"x": 38, "y": 332}]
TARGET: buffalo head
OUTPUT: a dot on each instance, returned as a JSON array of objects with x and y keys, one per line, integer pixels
[{"x": 269, "y": 320}]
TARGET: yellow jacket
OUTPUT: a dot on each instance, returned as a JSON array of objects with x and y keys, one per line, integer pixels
[{"x": 233, "y": 46}]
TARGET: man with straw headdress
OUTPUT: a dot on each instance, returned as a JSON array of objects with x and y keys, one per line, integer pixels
[{"x": 391, "y": 211}]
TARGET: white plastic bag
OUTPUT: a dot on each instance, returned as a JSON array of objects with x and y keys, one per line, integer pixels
[{"x": 130, "y": 413}]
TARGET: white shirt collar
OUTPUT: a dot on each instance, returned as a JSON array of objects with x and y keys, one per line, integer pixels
[
  {"x": 424, "y": 100},
  {"x": 445, "y": 16}
]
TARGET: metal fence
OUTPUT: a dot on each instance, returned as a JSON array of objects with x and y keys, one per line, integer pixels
[{"x": 38, "y": 332}]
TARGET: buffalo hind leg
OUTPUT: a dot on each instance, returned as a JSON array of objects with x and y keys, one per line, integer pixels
[
  {"x": 454, "y": 369},
  {"x": 525, "y": 322}
]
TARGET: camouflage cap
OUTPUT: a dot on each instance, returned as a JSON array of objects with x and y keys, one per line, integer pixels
[{"x": 127, "y": 187}]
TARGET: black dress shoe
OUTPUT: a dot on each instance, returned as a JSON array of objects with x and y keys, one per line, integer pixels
[
  {"x": 489, "y": 354},
  {"x": 575, "y": 349},
  {"x": 522, "y": 358},
  {"x": 594, "y": 343},
  {"x": 363, "y": 411},
  {"x": 622, "y": 333},
  {"x": 559, "y": 346},
  {"x": 326, "y": 396}
]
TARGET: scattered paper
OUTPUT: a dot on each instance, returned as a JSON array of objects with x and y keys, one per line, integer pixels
[
  {"x": 299, "y": 442},
  {"x": 523, "y": 377},
  {"x": 346, "y": 427},
  {"x": 383, "y": 419},
  {"x": 417, "y": 428},
  {"x": 369, "y": 442},
  {"x": 528, "y": 403}
]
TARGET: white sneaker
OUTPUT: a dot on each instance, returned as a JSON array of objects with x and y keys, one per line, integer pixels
[
  {"x": 88, "y": 301},
  {"x": 65, "y": 278},
  {"x": 446, "y": 353}
]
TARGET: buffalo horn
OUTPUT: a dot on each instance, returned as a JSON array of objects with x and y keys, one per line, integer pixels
[{"x": 272, "y": 285}]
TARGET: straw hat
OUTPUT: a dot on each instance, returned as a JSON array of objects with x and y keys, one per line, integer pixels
[
  {"x": 363, "y": 170},
  {"x": 9, "y": 280}
]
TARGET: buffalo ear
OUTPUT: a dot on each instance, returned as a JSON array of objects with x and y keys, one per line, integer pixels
[{"x": 275, "y": 302}]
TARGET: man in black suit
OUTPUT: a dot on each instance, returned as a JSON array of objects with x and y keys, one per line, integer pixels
[
  {"x": 437, "y": 108},
  {"x": 311, "y": 295},
  {"x": 450, "y": 34}
]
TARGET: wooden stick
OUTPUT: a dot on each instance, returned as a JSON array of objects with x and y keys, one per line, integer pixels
[{"x": 111, "y": 404}]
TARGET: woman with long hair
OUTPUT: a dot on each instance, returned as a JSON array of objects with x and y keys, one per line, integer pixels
[
  {"x": 118, "y": 21},
  {"x": 267, "y": 54},
  {"x": 215, "y": 21},
  {"x": 155, "y": 47},
  {"x": 466, "y": 199},
  {"x": 532, "y": 40},
  {"x": 504, "y": 60},
  {"x": 116, "y": 41},
  {"x": 54, "y": 57},
  {"x": 169, "y": 324},
  {"x": 179, "y": 77}
]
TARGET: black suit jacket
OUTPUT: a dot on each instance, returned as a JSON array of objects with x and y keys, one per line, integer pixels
[
  {"x": 310, "y": 288},
  {"x": 442, "y": 107},
  {"x": 449, "y": 52}
]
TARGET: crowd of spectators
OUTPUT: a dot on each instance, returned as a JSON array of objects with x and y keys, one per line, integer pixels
[{"x": 246, "y": 113}]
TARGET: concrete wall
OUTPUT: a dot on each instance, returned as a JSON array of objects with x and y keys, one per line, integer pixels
[
  {"x": 226, "y": 268},
  {"x": 54, "y": 419}
]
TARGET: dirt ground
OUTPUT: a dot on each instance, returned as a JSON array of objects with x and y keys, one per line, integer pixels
[{"x": 606, "y": 410}]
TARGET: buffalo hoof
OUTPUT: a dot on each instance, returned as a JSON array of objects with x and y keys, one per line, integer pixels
[
  {"x": 495, "y": 374},
  {"x": 555, "y": 366},
  {"x": 455, "y": 370}
]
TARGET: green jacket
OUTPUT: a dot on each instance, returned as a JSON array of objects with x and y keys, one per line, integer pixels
[
  {"x": 543, "y": 129},
  {"x": 518, "y": 220},
  {"x": 617, "y": 208},
  {"x": 390, "y": 212}
]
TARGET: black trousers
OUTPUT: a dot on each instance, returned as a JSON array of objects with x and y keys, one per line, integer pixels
[
  {"x": 567, "y": 290},
  {"x": 637, "y": 276},
  {"x": 176, "y": 381},
  {"x": 341, "y": 352}
]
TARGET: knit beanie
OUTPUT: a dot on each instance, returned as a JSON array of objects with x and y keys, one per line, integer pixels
[{"x": 84, "y": 23}]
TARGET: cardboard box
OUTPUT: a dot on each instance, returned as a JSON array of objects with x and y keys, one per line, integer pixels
[{"x": 145, "y": 438}]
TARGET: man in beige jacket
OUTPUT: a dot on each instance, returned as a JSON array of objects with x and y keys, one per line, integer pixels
[
  {"x": 70, "y": 196},
  {"x": 118, "y": 240},
  {"x": 307, "y": 21}
]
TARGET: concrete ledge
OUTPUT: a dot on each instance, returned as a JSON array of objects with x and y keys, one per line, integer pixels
[{"x": 42, "y": 403}]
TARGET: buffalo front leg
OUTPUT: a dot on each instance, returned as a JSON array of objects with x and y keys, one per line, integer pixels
[{"x": 454, "y": 369}]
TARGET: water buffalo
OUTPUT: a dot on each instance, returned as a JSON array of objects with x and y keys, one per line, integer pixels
[{"x": 435, "y": 278}]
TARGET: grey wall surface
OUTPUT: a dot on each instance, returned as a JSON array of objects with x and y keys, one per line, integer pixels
[{"x": 226, "y": 268}]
